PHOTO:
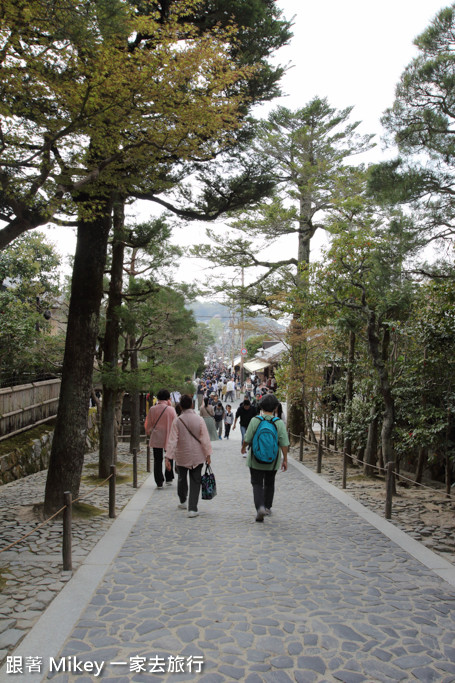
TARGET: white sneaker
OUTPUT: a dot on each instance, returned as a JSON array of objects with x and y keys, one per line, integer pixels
[
  {"x": 268, "y": 511},
  {"x": 182, "y": 506},
  {"x": 260, "y": 514},
  {"x": 193, "y": 513}
]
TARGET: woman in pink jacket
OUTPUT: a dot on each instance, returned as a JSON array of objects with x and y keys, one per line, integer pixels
[
  {"x": 189, "y": 445},
  {"x": 158, "y": 425}
]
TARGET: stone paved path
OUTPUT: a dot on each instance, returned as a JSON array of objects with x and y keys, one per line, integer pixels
[
  {"x": 313, "y": 594},
  {"x": 32, "y": 569}
]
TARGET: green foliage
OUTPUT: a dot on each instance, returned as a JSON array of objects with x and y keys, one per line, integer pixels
[
  {"x": 307, "y": 150},
  {"x": 421, "y": 123},
  {"x": 254, "y": 343},
  {"x": 425, "y": 386},
  {"x": 129, "y": 97},
  {"x": 28, "y": 286}
]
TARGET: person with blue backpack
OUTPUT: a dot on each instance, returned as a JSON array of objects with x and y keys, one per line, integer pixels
[{"x": 266, "y": 435}]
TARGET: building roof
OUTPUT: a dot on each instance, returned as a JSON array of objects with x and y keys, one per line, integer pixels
[{"x": 255, "y": 365}]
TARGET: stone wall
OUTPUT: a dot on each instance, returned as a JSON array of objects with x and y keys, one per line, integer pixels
[
  {"x": 30, "y": 455},
  {"x": 26, "y": 458}
]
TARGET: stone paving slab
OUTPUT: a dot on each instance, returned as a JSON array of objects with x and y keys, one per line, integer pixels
[
  {"x": 315, "y": 593},
  {"x": 32, "y": 569}
]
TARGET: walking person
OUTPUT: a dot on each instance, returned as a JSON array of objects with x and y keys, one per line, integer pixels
[
  {"x": 228, "y": 421},
  {"x": 244, "y": 413},
  {"x": 219, "y": 418},
  {"x": 175, "y": 398},
  {"x": 248, "y": 388},
  {"x": 255, "y": 401},
  {"x": 189, "y": 445},
  {"x": 158, "y": 425},
  {"x": 230, "y": 388},
  {"x": 200, "y": 393},
  {"x": 208, "y": 414},
  {"x": 264, "y": 465}
]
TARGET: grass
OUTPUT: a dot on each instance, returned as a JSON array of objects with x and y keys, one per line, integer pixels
[
  {"x": 122, "y": 477},
  {"x": 86, "y": 511}
]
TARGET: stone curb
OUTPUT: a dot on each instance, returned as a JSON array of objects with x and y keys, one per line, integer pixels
[
  {"x": 444, "y": 569},
  {"x": 55, "y": 624}
]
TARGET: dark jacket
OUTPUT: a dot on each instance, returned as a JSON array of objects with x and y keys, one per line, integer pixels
[{"x": 244, "y": 416}]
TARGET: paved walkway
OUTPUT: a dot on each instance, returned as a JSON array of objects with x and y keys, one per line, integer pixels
[{"x": 315, "y": 593}]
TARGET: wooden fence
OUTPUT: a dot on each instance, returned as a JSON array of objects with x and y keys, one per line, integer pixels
[{"x": 27, "y": 405}]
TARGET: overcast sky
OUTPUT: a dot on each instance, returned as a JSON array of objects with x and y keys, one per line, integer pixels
[{"x": 350, "y": 51}]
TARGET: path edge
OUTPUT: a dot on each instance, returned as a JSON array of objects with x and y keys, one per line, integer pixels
[
  {"x": 440, "y": 566},
  {"x": 49, "y": 633}
]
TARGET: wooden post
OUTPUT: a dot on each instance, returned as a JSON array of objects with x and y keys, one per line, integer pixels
[
  {"x": 448, "y": 476},
  {"x": 67, "y": 524},
  {"x": 112, "y": 492},
  {"x": 134, "y": 468},
  {"x": 389, "y": 490},
  {"x": 345, "y": 467},
  {"x": 148, "y": 458},
  {"x": 301, "y": 447},
  {"x": 319, "y": 464}
]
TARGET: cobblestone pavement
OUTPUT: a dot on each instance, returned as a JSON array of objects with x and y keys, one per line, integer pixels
[
  {"x": 313, "y": 594},
  {"x": 423, "y": 512},
  {"x": 31, "y": 572}
]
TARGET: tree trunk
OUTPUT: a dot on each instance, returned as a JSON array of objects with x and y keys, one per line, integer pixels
[
  {"x": 448, "y": 472},
  {"x": 296, "y": 411},
  {"x": 118, "y": 415},
  {"x": 421, "y": 461},
  {"x": 68, "y": 446},
  {"x": 135, "y": 439},
  {"x": 349, "y": 395},
  {"x": 371, "y": 451},
  {"x": 108, "y": 450},
  {"x": 379, "y": 361}
]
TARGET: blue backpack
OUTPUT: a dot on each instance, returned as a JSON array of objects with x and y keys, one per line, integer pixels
[{"x": 265, "y": 440}]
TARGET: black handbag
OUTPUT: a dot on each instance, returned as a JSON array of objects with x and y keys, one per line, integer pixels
[{"x": 208, "y": 484}]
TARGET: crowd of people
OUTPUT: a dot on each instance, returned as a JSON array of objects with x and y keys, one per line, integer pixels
[{"x": 181, "y": 438}]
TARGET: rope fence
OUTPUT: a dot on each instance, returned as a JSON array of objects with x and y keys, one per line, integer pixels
[
  {"x": 391, "y": 475},
  {"x": 67, "y": 508}
]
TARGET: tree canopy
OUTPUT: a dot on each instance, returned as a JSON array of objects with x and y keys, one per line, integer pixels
[{"x": 421, "y": 123}]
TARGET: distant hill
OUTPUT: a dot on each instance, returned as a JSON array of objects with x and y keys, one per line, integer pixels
[{"x": 204, "y": 311}]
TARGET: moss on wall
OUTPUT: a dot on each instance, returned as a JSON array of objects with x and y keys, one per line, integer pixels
[{"x": 30, "y": 451}]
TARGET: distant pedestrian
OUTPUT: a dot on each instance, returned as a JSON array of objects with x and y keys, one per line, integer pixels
[
  {"x": 228, "y": 421},
  {"x": 248, "y": 388},
  {"x": 190, "y": 447},
  {"x": 244, "y": 413},
  {"x": 175, "y": 397},
  {"x": 256, "y": 401},
  {"x": 263, "y": 473},
  {"x": 230, "y": 388},
  {"x": 208, "y": 414},
  {"x": 158, "y": 425},
  {"x": 200, "y": 393},
  {"x": 219, "y": 418},
  {"x": 279, "y": 412}
]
